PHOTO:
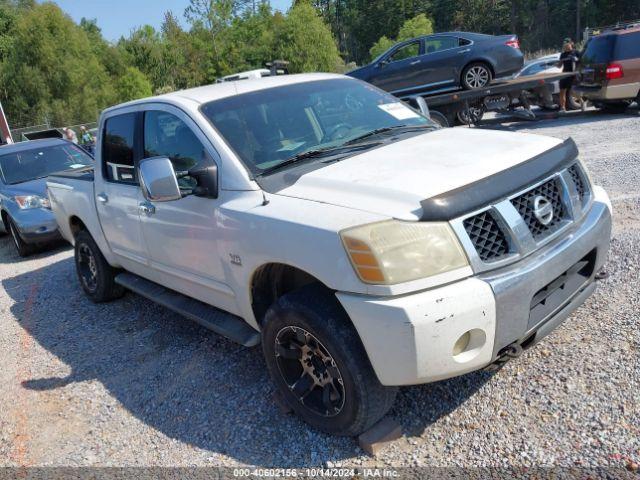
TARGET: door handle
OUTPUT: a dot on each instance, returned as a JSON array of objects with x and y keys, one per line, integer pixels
[
  {"x": 102, "y": 198},
  {"x": 464, "y": 51},
  {"x": 416, "y": 62},
  {"x": 147, "y": 208}
]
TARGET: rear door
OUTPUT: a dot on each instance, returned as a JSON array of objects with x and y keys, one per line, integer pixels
[
  {"x": 117, "y": 189},
  {"x": 400, "y": 69},
  {"x": 442, "y": 56}
]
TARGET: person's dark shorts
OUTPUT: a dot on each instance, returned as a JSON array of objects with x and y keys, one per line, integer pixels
[{"x": 566, "y": 83}]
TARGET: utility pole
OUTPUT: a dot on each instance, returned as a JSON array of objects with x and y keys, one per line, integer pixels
[{"x": 578, "y": 25}]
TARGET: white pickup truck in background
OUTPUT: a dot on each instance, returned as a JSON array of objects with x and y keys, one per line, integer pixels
[{"x": 364, "y": 247}]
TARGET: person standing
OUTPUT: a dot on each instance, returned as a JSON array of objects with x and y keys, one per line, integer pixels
[
  {"x": 70, "y": 135},
  {"x": 568, "y": 61},
  {"x": 85, "y": 136}
]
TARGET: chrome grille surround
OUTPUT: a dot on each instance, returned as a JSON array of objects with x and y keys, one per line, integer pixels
[{"x": 515, "y": 224}]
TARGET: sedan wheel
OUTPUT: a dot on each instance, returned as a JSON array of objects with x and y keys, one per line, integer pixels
[{"x": 476, "y": 75}]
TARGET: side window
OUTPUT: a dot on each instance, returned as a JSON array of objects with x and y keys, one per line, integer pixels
[
  {"x": 435, "y": 44},
  {"x": 628, "y": 46},
  {"x": 165, "y": 135},
  {"x": 408, "y": 51},
  {"x": 463, "y": 42},
  {"x": 118, "y": 148}
]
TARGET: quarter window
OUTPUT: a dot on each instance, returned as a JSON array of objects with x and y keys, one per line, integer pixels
[
  {"x": 165, "y": 135},
  {"x": 118, "y": 149}
]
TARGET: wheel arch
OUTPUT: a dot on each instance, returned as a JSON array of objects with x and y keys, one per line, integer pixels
[
  {"x": 5, "y": 220},
  {"x": 271, "y": 281},
  {"x": 76, "y": 225}
]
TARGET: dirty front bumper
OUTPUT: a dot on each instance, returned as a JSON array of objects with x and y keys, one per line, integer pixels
[{"x": 464, "y": 326}]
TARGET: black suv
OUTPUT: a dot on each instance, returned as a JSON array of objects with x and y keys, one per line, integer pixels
[{"x": 443, "y": 62}]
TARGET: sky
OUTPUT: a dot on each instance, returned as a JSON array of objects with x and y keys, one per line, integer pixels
[{"x": 119, "y": 17}]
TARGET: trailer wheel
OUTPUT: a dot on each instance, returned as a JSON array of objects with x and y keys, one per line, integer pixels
[
  {"x": 439, "y": 118},
  {"x": 470, "y": 116}
]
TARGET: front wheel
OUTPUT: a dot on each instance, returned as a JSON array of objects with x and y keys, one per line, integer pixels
[
  {"x": 476, "y": 75},
  {"x": 96, "y": 276},
  {"x": 23, "y": 248},
  {"x": 315, "y": 358}
]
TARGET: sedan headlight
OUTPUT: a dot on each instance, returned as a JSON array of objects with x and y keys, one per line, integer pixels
[
  {"x": 26, "y": 202},
  {"x": 395, "y": 252}
]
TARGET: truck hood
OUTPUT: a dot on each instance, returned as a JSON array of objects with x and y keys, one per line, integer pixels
[{"x": 394, "y": 179}]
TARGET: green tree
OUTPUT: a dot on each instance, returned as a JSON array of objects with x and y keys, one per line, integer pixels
[
  {"x": 51, "y": 72},
  {"x": 133, "y": 85},
  {"x": 306, "y": 41}
]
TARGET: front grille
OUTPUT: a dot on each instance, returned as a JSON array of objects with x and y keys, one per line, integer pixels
[
  {"x": 578, "y": 182},
  {"x": 550, "y": 190},
  {"x": 487, "y": 237}
]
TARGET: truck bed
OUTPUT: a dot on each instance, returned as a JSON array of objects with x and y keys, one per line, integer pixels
[{"x": 72, "y": 199}]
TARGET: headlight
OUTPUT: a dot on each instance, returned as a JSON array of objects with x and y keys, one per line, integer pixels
[
  {"x": 32, "y": 201},
  {"x": 396, "y": 252}
]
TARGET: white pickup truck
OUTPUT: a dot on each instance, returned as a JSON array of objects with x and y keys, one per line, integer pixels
[{"x": 363, "y": 246}]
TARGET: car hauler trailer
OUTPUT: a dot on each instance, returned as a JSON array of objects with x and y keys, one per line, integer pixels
[{"x": 511, "y": 96}]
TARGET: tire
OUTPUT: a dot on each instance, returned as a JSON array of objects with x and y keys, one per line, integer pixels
[
  {"x": 614, "y": 107},
  {"x": 470, "y": 117},
  {"x": 476, "y": 75},
  {"x": 23, "y": 248},
  {"x": 439, "y": 118},
  {"x": 310, "y": 322},
  {"x": 96, "y": 276},
  {"x": 572, "y": 102}
]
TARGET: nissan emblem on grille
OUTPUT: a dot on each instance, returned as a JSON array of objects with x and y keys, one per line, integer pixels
[{"x": 543, "y": 210}]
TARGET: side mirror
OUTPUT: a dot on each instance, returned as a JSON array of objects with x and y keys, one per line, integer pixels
[
  {"x": 207, "y": 177},
  {"x": 382, "y": 63},
  {"x": 158, "y": 180}
]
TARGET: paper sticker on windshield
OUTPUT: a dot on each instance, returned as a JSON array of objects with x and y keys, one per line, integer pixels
[
  {"x": 399, "y": 111},
  {"x": 77, "y": 165}
]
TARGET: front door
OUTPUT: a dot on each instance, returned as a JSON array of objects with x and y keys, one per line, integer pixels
[
  {"x": 182, "y": 235},
  {"x": 117, "y": 190},
  {"x": 398, "y": 71}
]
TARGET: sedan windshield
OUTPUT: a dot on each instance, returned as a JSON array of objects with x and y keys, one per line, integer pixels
[
  {"x": 19, "y": 167},
  {"x": 281, "y": 125}
]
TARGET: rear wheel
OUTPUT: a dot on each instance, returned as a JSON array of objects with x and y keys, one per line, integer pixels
[
  {"x": 23, "y": 248},
  {"x": 96, "y": 276},
  {"x": 316, "y": 359},
  {"x": 476, "y": 75},
  {"x": 614, "y": 107}
]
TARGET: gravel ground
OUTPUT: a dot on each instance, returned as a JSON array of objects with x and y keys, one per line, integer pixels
[{"x": 132, "y": 384}]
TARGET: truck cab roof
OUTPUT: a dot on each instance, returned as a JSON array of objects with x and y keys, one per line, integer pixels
[{"x": 217, "y": 91}]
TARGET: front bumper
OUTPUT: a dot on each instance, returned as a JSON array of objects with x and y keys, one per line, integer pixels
[
  {"x": 410, "y": 339},
  {"x": 36, "y": 225}
]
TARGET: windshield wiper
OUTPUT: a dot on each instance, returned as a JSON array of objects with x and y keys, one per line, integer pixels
[
  {"x": 379, "y": 131},
  {"x": 315, "y": 153}
]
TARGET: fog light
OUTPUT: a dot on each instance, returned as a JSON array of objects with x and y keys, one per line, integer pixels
[{"x": 462, "y": 344}]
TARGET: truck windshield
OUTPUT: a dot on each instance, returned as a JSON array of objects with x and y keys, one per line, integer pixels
[
  {"x": 26, "y": 165},
  {"x": 599, "y": 50},
  {"x": 273, "y": 126}
]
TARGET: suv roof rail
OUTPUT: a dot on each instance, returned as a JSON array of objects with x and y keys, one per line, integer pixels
[{"x": 593, "y": 31}]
